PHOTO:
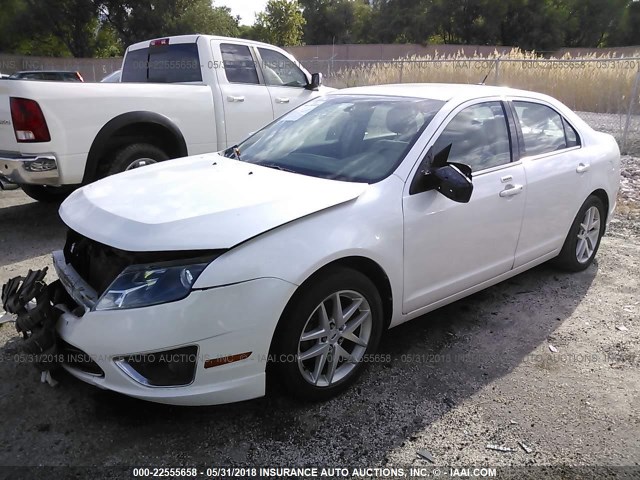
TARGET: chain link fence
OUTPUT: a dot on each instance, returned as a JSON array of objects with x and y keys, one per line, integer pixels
[
  {"x": 91, "y": 69},
  {"x": 606, "y": 91}
]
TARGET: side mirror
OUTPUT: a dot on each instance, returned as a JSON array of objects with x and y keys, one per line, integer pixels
[
  {"x": 453, "y": 180},
  {"x": 316, "y": 81},
  {"x": 453, "y": 183}
]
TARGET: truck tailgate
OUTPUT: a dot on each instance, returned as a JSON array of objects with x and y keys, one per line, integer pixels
[{"x": 8, "y": 141}]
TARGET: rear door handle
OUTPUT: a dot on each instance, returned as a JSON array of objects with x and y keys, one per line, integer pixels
[
  {"x": 231, "y": 98},
  {"x": 511, "y": 190},
  {"x": 582, "y": 167},
  {"x": 282, "y": 100}
]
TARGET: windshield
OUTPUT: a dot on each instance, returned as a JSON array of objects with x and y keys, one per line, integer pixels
[{"x": 356, "y": 138}]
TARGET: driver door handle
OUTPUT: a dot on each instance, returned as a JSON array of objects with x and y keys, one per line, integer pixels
[
  {"x": 231, "y": 98},
  {"x": 511, "y": 190},
  {"x": 282, "y": 100},
  {"x": 582, "y": 167}
]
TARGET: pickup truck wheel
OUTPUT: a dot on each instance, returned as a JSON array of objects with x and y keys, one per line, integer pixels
[
  {"x": 47, "y": 194},
  {"x": 135, "y": 156}
]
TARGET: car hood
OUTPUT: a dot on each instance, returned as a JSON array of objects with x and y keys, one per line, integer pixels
[{"x": 197, "y": 203}]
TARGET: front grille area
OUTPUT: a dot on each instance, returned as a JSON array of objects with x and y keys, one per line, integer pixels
[
  {"x": 96, "y": 263},
  {"x": 100, "y": 264},
  {"x": 76, "y": 358}
]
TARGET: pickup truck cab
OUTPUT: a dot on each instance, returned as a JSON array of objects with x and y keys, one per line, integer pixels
[{"x": 179, "y": 96}]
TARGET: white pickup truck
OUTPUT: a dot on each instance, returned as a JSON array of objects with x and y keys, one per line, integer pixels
[{"x": 180, "y": 96}]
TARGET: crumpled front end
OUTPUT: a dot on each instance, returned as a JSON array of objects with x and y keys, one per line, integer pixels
[{"x": 208, "y": 348}]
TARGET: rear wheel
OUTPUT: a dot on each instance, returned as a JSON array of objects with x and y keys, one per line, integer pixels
[
  {"x": 323, "y": 338},
  {"x": 134, "y": 156},
  {"x": 583, "y": 240},
  {"x": 47, "y": 194}
]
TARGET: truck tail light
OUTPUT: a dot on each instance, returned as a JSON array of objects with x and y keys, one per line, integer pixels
[{"x": 29, "y": 124}]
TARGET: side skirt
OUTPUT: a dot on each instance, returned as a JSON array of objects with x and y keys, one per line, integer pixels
[{"x": 472, "y": 290}]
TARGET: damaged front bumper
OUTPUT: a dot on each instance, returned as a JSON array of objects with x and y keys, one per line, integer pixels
[
  {"x": 81, "y": 292},
  {"x": 116, "y": 349}
]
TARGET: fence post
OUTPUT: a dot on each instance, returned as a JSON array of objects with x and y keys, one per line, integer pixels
[
  {"x": 497, "y": 70},
  {"x": 401, "y": 69},
  {"x": 632, "y": 101}
]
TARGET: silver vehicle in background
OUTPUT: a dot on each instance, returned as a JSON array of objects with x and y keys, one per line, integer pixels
[{"x": 113, "y": 77}]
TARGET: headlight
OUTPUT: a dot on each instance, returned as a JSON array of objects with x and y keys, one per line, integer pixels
[{"x": 145, "y": 285}]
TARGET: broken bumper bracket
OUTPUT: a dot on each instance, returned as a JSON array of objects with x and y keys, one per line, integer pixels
[{"x": 32, "y": 301}]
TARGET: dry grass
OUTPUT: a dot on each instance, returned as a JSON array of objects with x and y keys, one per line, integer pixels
[{"x": 582, "y": 83}]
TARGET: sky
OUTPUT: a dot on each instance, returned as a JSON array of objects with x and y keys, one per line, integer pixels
[{"x": 247, "y": 9}]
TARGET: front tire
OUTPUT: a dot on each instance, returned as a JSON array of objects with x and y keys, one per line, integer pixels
[
  {"x": 583, "y": 240},
  {"x": 47, "y": 194},
  {"x": 324, "y": 335}
]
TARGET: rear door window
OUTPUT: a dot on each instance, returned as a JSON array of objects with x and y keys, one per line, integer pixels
[
  {"x": 239, "y": 65},
  {"x": 544, "y": 130},
  {"x": 177, "y": 63}
]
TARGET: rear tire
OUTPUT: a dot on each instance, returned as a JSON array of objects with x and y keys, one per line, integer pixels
[
  {"x": 337, "y": 340},
  {"x": 583, "y": 240},
  {"x": 134, "y": 156},
  {"x": 47, "y": 194}
]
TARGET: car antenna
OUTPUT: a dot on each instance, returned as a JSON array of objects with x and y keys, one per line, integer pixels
[
  {"x": 485, "y": 77},
  {"x": 488, "y": 73}
]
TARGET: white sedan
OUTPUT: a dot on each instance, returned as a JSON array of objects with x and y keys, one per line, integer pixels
[{"x": 288, "y": 256}]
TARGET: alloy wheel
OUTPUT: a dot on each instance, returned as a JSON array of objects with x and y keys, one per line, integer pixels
[
  {"x": 334, "y": 338},
  {"x": 588, "y": 235}
]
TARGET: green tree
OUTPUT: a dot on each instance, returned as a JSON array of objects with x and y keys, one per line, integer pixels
[
  {"x": 532, "y": 25},
  {"x": 337, "y": 21},
  {"x": 407, "y": 21},
  {"x": 57, "y": 27},
  {"x": 281, "y": 23},
  {"x": 10, "y": 9},
  {"x": 627, "y": 31},
  {"x": 588, "y": 23},
  {"x": 137, "y": 20}
]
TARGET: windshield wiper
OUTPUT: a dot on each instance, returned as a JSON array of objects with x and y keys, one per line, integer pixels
[
  {"x": 232, "y": 152},
  {"x": 277, "y": 167}
]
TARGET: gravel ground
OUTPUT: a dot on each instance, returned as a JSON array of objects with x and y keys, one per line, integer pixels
[
  {"x": 477, "y": 372},
  {"x": 614, "y": 124}
]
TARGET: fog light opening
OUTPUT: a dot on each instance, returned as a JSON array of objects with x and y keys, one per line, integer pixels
[{"x": 169, "y": 368}]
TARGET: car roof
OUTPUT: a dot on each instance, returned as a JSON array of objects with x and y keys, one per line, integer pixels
[
  {"x": 193, "y": 38},
  {"x": 440, "y": 91}
]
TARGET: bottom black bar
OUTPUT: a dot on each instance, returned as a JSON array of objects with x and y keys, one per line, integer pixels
[{"x": 416, "y": 472}]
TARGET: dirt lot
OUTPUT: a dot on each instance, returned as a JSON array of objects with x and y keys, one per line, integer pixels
[{"x": 477, "y": 372}]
